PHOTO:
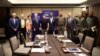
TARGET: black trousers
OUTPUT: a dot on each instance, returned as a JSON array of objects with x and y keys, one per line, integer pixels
[
  {"x": 23, "y": 31},
  {"x": 13, "y": 33},
  {"x": 50, "y": 31}
]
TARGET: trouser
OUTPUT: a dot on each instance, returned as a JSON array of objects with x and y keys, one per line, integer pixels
[
  {"x": 72, "y": 36},
  {"x": 37, "y": 32},
  {"x": 70, "y": 33},
  {"x": 61, "y": 29},
  {"x": 43, "y": 31},
  {"x": 50, "y": 31},
  {"x": 33, "y": 35},
  {"x": 29, "y": 34},
  {"x": 23, "y": 31},
  {"x": 89, "y": 33},
  {"x": 13, "y": 33}
]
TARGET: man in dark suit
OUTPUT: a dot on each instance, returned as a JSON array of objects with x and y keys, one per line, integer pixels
[
  {"x": 52, "y": 23},
  {"x": 14, "y": 25},
  {"x": 44, "y": 24},
  {"x": 71, "y": 25},
  {"x": 23, "y": 25},
  {"x": 36, "y": 24}
]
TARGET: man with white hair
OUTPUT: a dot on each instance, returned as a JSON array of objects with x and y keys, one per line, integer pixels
[
  {"x": 14, "y": 25},
  {"x": 23, "y": 25},
  {"x": 71, "y": 26}
]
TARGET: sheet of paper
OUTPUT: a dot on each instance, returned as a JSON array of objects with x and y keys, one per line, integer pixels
[
  {"x": 79, "y": 54},
  {"x": 40, "y": 36},
  {"x": 42, "y": 42},
  {"x": 66, "y": 41},
  {"x": 93, "y": 28},
  {"x": 40, "y": 50},
  {"x": 59, "y": 36},
  {"x": 29, "y": 43}
]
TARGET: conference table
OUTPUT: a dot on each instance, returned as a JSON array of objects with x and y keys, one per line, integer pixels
[{"x": 56, "y": 48}]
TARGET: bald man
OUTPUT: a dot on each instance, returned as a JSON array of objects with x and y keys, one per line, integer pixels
[
  {"x": 71, "y": 24},
  {"x": 23, "y": 25},
  {"x": 44, "y": 24},
  {"x": 36, "y": 23},
  {"x": 14, "y": 25},
  {"x": 52, "y": 23}
]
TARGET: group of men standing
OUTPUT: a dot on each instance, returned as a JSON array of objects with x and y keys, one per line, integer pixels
[{"x": 32, "y": 26}]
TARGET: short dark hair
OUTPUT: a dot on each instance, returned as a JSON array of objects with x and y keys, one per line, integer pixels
[{"x": 28, "y": 16}]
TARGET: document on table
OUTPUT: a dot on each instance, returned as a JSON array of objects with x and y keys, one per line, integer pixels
[
  {"x": 60, "y": 36},
  {"x": 73, "y": 50},
  {"x": 40, "y": 50},
  {"x": 40, "y": 36},
  {"x": 66, "y": 41},
  {"x": 29, "y": 43},
  {"x": 80, "y": 54}
]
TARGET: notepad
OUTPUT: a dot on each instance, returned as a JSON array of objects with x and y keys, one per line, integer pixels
[
  {"x": 29, "y": 43},
  {"x": 66, "y": 41},
  {"x": 40, "y": 50},
  {"x": 42, "y": 42},
  {"x": 60, "y": 36},
  {"x": 79, "y": 54},
  {"x": 73, "y": 50},
  {"x": 40, "y": 36}
]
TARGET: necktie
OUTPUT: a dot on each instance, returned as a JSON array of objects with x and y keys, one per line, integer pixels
[
  {"x": 14, "y": 21},
  {"x": 22, "y": 23}
]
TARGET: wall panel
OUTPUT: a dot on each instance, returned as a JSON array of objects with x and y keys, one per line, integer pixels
[{"x": 29, "y": 10}]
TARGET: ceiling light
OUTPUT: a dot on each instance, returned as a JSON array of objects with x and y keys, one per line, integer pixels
[{"x": 46, "y": 1}]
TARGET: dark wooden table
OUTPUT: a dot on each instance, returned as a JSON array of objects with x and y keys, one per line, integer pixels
[
  {"x": 53, "y": 50},
  {"x": 56, "y": 48}
]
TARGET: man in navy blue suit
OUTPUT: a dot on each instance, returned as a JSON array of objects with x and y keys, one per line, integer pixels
[
  {"x": 14, "y": 25},
  {"x": 52, "y": 23},
  {"x": 36, "y": 24}
]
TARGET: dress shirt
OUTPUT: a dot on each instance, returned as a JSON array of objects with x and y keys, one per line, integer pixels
[{"x": 22, "y": 23}]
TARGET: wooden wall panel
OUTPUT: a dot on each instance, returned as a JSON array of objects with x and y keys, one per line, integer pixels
[
  {"x": 16, "y": 10},
  {"x": 29, "y": 10},
  {"x": 26, "y": 11},
  {"x": 76, "y": 11},
  {"x": 96, "y": 11}
]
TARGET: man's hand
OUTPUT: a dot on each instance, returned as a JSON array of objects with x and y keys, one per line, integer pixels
[
  {"x": 74, "y": 29},
  {"x": 15, "y": 29},
  {"x": 64, "y": 28},
  {"x": 34, "y": 29},
  {"x": 40, "y": 28},
  {"x": 47, "y": 29}
]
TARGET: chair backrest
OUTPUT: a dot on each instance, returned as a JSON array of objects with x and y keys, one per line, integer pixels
[
  {"x": 2, "y": 31},
  {"x": 80, "y": 35},
  {"x": 14, "y": 43},
  {"x": 88, "y": 43},
  {"x": 1, "y": 51}
]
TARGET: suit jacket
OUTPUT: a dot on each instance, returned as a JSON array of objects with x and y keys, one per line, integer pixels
[
  {"x": 20, "y": 23},
  {"x": 14, "y": 25},
  {"x": 35, "y": 24},
  {"x": 52, "y": 25},
  {"x": 72, "y": 24}
]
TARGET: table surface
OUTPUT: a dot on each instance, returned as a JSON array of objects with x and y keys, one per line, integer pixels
[{"x": 55, "y": 49}]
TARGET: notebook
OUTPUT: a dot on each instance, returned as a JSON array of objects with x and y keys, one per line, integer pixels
[
  {"x": 73, "y": 50},
  {"x": 66, "y": 41},
  {"x": 40, "y": 50}
]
